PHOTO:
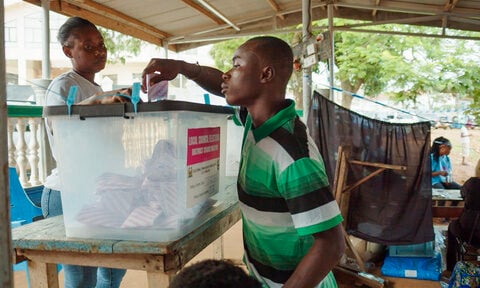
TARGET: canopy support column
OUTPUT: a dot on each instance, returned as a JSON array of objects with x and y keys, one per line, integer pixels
[
  {"x": 332, "y": 56},
  {"x": 307, "y": 72},
  {"x": 46, "y": 40}
]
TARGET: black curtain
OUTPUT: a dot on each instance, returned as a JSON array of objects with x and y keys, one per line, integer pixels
[{"x": 394, "y": 207}]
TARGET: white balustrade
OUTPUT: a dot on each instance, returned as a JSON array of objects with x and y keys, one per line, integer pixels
[{"x": 27, "y": 158}]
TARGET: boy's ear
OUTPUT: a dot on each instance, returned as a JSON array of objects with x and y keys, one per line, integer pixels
[
  {"x": 268, "y": 73},
  {"x": 67, "y": 51}
]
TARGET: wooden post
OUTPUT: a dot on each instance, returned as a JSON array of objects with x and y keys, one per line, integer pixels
[
  {"x": 43, "y": 275},
  {"x": 340, "y": 180},
  {"x": 6, "y": 274}
]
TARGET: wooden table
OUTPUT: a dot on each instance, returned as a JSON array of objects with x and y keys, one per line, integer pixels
[
  {"x": 43, "y": 243},
  {"x": 447, "y": 198}
]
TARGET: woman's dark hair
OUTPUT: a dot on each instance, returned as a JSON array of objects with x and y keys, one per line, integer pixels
[
  {"x": 435, "y": 150},
  {"x": 69, "y": 27}
]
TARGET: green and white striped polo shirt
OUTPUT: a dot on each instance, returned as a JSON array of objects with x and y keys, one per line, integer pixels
[{"x": 284, "y": 196}]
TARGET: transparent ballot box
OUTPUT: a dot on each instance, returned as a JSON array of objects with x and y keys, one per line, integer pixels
[{"x": 151, "y": 171}]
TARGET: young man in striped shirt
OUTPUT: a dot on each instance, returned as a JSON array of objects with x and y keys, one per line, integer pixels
[{"x": 291, "y": 222}]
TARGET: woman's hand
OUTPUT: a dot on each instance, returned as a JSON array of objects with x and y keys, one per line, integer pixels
[{"x": 109, "y": 97}]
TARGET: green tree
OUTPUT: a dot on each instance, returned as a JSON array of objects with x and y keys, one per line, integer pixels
[
  {"x": 403, "y": 67},
  {"x": 120, "y": 46},
  {"x": 222, "y": 52}
]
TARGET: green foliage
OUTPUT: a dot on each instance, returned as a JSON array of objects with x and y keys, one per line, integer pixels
[
  {"x": 120, "y": 46},
  {"x": 222, "y": 52},
  {"x": 404, "y": 67}
]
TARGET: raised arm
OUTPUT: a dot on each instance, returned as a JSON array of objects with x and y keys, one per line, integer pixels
[{"x": 208, "y": 78}]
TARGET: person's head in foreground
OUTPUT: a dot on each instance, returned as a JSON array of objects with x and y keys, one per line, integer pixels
[
  {"x": 213, "y": 274},
  {"x": 260, "y": 72}
]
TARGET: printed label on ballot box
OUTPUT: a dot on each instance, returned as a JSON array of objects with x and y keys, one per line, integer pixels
[{"x": 203, "y": 164}]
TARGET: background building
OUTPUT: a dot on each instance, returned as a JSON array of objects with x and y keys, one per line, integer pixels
[{"x": 23, "y": 53}]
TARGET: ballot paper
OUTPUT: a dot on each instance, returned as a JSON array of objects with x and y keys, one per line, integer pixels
[{"x": 147, "y": 200}]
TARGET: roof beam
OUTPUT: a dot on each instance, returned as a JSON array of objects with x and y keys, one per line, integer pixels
[
  {"x": 408, "y": 34},
  {"x": 291, "y": 13},
  {"x": 72, "y": 10},
  {"x": 211, "y": 12},
  {"x": 416, "y": 8},
  {"x": 412, "y": 20},
  {"x": 276, "y": 8},
  {"x": 116, "y": 15},
  {"x": 107, "y": 17},
  {"x": 465, "y": 20},
  {"x": 203, "y": 11},
  {"x": 218, "y": 14}
]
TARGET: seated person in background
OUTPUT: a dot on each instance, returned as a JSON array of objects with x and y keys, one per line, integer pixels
[
  {"x": 467, "y": 226},
  {"x": 214, "y": 274},
  {"x": 442, "y": 177}
]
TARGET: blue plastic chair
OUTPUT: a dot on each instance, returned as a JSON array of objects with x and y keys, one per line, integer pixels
[
  {"x": 22, "y": 208},
  {"x": 22, "y": 211}
]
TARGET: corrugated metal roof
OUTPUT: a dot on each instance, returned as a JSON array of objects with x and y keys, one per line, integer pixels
[{"x": 185, "y": 24}]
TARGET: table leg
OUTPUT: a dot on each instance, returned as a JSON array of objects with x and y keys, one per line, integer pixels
[
  {"x": 158, "y": 279},
  {"x": 42, "y": 275},
  {"x": 218, "y": 248}
]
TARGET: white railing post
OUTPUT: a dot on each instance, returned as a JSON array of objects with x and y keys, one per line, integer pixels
[
  {"x": 11, "y": 145},
  {"x": 44, "y": 154},
  {"x": 21, "y": 146},
  {"x": 33, "y": 146}
]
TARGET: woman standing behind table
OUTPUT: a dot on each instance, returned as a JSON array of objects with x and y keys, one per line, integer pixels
[
  {"x": 442, "y": 177},
  {"x": 83, "y": 44}
]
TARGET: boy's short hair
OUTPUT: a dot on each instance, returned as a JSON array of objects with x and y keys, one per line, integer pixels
[{"x": 213, "y": 274}]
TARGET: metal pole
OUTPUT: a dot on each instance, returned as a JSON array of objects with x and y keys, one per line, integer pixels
[
  {"x": 46, "y": 40},
  {"x": 307, "y": 72},
  {"x": 165, "y": 47},
  {"x": 332, "y": 57},
  {"x": 6, "y": 274}
]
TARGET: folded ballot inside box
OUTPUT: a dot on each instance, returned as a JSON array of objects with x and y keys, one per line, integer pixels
[{"x": 151, "y": 174}]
